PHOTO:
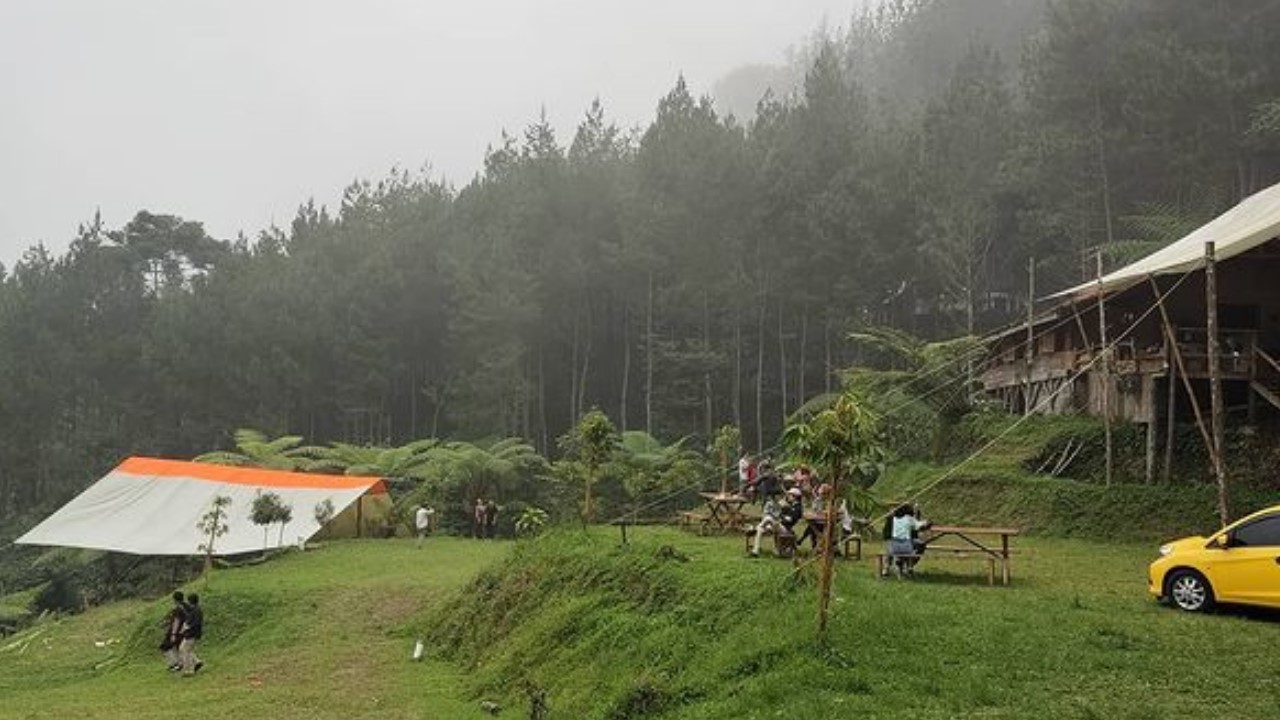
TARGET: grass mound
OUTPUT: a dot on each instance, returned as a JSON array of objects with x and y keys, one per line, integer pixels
[{"x": 613, "y": 632}]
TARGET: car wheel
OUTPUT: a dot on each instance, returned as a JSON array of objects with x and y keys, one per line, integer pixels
[{"x": 1189, "y": 591}]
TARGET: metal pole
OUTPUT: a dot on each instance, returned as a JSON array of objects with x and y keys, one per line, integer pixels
[
  {"x": 1103, "y": 366},
  {"x": 1217, "y": 419}
]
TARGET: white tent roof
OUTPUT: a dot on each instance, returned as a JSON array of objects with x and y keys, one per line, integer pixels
[
  {"x": 1246, "y": 226},
  {"x": 148, "y": 506}
]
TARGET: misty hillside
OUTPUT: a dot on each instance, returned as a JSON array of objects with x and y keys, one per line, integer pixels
[{"x": 700, "y": 271}]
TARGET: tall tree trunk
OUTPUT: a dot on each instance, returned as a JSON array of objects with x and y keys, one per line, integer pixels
[
  {"x": 827, "y": 370},
  {"x": 413, "y": 403},
  {"x": 526, "y": 409},
  {"x": 782, "y": 363},
  {"x": 737, "y": 369},
  {"x": 708, "y": 420},
  {"x": 573, "y": 376},
  {"x": 648, "y": 359},
  {"x": 760, "y": 370},
  {"x": 804, "y": 339},
  {"x": 542, "y": 400},
  {"x": 586, "y": 364},
  {"x": 626, "y": 366}
]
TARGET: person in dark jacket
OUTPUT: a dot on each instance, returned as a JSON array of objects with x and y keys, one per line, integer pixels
[
  {"x": 490, "y": 518},
  {"x": 192, "y": 631},
  {"x": 173, "y": 623}
]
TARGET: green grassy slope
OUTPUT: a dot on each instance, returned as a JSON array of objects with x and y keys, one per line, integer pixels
[
  {"x": 613, "y": 632},
  {"x": 1000, "y": 485},
  {"x": 321, "y": 634},
  {"x": 620, "y": 633}
]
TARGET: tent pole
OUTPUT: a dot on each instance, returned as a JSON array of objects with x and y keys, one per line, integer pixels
[{"x": 1170, "y": 412}]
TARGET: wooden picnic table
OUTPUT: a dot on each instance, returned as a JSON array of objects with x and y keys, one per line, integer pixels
[
  {"x": 725, "y": 509},
  {"x": 977, "y": 540}
]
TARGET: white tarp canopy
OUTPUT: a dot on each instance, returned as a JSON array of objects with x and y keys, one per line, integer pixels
[
  {"x": 1242, "y": 228},
  {"x": 148, "y": 506}
]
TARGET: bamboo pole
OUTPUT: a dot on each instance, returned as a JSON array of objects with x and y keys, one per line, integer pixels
[
  {"x": 1031, "y": 341},
  {"x": 1171, "y": 338},
  {"x": 1215, "y": 380},
  {"x": 1104, "y": 367}
]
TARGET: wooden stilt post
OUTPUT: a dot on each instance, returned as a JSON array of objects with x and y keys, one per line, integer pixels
[
  {"x": 1149, "y": 385},
  {"x": 1217, "y": 418},
  {"x": 1027, "y": 403},
  {"x": 1104, "y": 368},
  {"x": 1181, "y": 367}
]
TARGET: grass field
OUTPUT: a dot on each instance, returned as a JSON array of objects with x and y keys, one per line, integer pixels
[
  {"x": 612, "y": 632},
  {"x": 322, "y": 634}
]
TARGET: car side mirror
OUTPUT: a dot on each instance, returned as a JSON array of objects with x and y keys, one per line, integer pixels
[{"x": 1222, "y": 542}]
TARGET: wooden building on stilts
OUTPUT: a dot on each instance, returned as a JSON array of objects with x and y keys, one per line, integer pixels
[{"x": 1156, "y": 316}]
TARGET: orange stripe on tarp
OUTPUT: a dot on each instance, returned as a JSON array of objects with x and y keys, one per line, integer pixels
[{"x": 236, "y": 475}]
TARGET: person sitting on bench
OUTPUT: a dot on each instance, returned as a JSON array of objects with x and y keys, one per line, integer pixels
[
  {"x": 785, "y": 518},
  {"x": 814, "y": 528},
  {"x": 904, "y": 546},
  {"x": 770, "y": 520}
]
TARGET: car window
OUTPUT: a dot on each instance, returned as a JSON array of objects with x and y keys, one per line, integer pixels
[{"x": 1262, "y": 532}]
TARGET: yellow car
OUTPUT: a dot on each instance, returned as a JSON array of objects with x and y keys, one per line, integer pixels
[{"x": 1239, "y": 564}]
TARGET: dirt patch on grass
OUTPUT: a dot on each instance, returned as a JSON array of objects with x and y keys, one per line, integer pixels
[{"x": 372, "y": 611}]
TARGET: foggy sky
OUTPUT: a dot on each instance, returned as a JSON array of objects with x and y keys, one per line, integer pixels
[{"x": 233, "y": 113}]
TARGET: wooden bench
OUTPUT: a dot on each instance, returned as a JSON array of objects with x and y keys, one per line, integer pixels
[
  {"x": 959, "y": 551},
  {"x": 625, "y": 522},
  {"x": 694, "y": 518},
  {"x": 784, "y": 544},
  {"x": 852, "y": 541}
]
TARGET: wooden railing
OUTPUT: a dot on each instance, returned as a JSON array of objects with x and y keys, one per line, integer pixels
[{"x": 1239, "y": 350}]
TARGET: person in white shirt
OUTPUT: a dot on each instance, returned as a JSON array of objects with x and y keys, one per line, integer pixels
[{"x": 422, "y": 521}]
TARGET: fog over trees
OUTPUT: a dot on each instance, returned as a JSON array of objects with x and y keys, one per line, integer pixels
[{"x": 700, "y": 271}]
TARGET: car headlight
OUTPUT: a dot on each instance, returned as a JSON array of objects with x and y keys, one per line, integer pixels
[{"x": 1165, "y": 550}]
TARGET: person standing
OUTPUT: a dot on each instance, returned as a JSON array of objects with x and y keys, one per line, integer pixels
[
  {"x": 173, "y": 623},
  {"x": 422, "y": 522},
  {"x": 767, "y": 482},
  {"x": 192, "y": 631},
  {"x": 746, "y": 475},
  {"x": 477, "y": 519},
  {"x": 490, "y": 518}
]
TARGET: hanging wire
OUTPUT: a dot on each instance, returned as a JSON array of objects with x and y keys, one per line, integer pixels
[
  {"x": 958, "y": 383},
  {"x": 1044, "y": 403}
]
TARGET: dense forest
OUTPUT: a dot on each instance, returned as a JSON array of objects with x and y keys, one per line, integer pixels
[{"x": 700, "y": 271}]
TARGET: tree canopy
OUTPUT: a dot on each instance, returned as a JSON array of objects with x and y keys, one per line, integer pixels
[{"x": 697, "y": 272}]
